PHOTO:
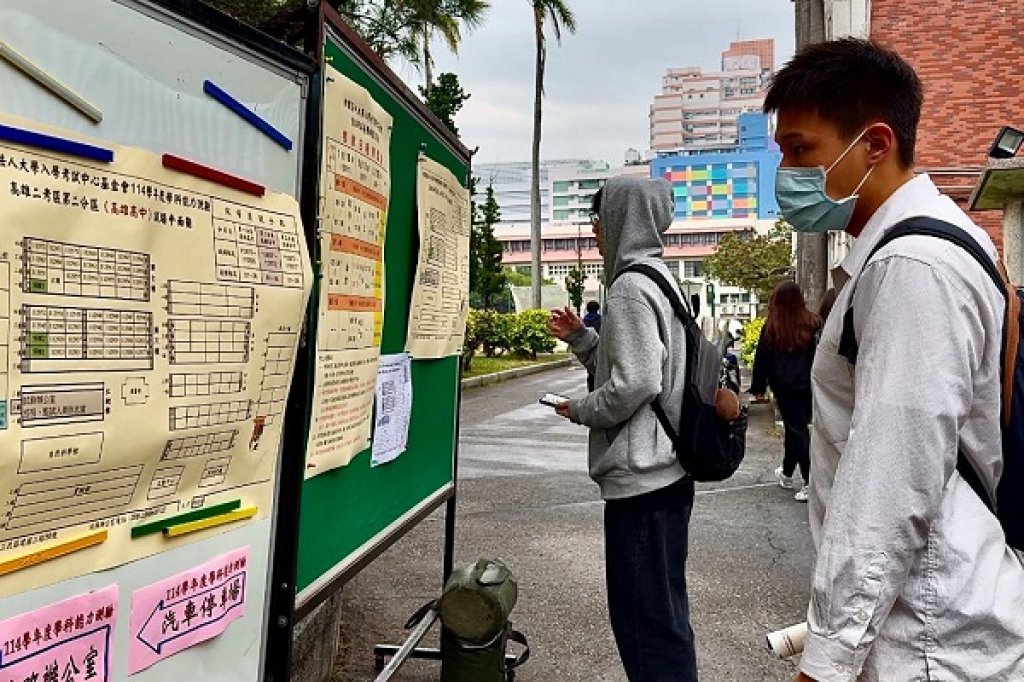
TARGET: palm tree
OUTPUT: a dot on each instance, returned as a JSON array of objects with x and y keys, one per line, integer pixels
[
  {"x": 561, "y": 17},
  {"x": 446, "y": 17}
]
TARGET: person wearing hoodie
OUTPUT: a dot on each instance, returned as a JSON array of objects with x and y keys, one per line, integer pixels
[{"x": 639, "y": 356}]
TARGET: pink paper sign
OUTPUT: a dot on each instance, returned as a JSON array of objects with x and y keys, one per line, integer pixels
[
  {"x": 69, "y": 640},
  {"x": 186, "y": 609}
]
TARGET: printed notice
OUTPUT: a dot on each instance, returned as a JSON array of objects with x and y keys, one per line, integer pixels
[
  {"x": 148, "y": 327},
  {"x": 440, "y": 297},
  {"x": 186, "y": 609},
  {"x": 394, "y": 408},
  {"x": 69, "y": 640},
  {"x": 354, "y": 208}
]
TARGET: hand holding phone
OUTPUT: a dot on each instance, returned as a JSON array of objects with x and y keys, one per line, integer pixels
[{"x": 552, "y": 399}]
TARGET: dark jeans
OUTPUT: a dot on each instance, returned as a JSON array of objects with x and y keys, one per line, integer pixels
[
  {"x": 795, "y": 407},
  {"x": 645, "y": 565}
]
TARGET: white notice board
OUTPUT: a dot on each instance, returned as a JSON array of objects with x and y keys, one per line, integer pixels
[{"x": 144, "y": 67}]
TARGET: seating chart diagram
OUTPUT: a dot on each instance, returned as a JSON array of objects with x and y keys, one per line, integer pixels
[
  {"x": 64, "y": 269},
  {"x": 437, "y": 322},
  {"x": 148, "y": 328},
  {"x": 207, "y": 342},
  {"x": 85, "y": 339}
]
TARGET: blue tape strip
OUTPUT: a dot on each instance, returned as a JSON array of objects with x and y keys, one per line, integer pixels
[
  {"x": 211, "y": 89},
  {"x": 55, "y": 144}
]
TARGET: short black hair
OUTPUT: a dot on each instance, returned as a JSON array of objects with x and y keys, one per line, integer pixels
[
  {"x": 852, "y": 83},
  {"x": 593, "y": 306},
  {"x": 595, "y": 202}
]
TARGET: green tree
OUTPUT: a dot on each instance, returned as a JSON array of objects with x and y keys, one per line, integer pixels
[
  {"x": 574, "y": 282},
  {"x": 516, "y": 278},
  {"x": 486, "y": 276},
  {"x": 445, "y": 99},
  {"x": 561, "y": 17},
  {"x": 753, "y": 262},
  {"x": 445, "y": 18}
]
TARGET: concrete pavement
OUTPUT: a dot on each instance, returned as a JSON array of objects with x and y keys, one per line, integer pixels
[{"x": 524, "y": 496}]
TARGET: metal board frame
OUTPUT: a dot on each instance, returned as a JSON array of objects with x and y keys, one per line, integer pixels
[{"x": 115, "y": 37}]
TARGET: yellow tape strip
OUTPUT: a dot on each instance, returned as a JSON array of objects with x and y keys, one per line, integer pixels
[
  {"x": 38, "y": 556},
  {"x": 203, "y": 524}
]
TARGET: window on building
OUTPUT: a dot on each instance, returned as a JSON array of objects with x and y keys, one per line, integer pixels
[
  {"x": 673, "y": 267},
  {"x": 562, "y": 185},
  {"x": 693, "y": 268},
  {"x": 561, "y": 201}
]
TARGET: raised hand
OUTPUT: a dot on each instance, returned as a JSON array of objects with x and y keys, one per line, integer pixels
[{"x": 563, "y": 322}]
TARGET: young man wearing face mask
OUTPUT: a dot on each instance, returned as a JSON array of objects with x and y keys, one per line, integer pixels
[{"x": 913, "y": 579}]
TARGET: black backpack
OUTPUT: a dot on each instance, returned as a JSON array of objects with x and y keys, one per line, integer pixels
[
  {"x": 708, "y": 448},
  {"x": 1008, "y": 501}
]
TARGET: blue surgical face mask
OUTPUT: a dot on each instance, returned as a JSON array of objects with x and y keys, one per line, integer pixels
[{"x": 804, "y": 203}]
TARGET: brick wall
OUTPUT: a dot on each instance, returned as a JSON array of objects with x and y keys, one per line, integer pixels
[{"x": 970, "y": 57}]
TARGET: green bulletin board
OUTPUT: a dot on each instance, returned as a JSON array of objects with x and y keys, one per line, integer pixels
[{"x": 345, "y": 511}]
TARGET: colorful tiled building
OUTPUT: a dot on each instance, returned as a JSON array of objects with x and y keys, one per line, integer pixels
[{"x": 726, "y": 184}]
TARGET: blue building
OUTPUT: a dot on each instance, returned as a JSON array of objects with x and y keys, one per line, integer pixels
[{"x": 727, "y": 183}]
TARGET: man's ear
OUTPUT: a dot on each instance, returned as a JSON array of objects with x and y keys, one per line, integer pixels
[{"x": 881, "y": 142}]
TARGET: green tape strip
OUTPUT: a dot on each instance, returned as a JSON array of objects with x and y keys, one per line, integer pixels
[{"x": 205, "y": 513}]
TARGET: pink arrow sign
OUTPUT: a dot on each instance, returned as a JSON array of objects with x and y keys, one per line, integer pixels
[
  {"x": 186, "y": 609},
  {"x": 67, "y": 640}
]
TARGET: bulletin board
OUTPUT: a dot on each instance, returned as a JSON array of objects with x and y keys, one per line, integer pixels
[
  {"x": 148, "y": 67},
  {"x": 351, "y": 514}
]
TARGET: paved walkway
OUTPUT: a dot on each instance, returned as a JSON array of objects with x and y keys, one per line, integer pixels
[{"x": 525, "y": 497}]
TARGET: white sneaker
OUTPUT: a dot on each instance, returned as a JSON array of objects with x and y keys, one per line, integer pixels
[
  {"x": 784, "y": 481},
  {"x": 801, "y": 495}
]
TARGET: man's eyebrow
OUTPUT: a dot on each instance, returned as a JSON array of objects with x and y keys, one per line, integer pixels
[{"x": 791, "y": 136}]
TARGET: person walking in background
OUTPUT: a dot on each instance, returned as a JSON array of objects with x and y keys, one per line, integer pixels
[
  {"x": 785, "y": 353},
  {"x": 593, "y": 317}
]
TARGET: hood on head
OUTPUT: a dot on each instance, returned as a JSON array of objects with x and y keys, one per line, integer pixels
[{"x": 635, "y": 212}]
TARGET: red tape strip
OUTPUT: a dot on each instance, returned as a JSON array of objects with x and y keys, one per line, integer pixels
[{"x": 213, "y": 175}]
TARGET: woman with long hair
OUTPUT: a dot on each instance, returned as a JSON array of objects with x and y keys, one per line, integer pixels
[{"x": 782, "y": 362}]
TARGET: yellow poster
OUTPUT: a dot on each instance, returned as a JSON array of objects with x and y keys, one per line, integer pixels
[
  {"x": 354, "y": 197},
  {"x": 148, "y": 328},
  {"x": 440, "y": 297}
]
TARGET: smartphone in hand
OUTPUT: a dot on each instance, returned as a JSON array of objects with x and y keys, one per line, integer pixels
[{"x": 552, "y": 399}]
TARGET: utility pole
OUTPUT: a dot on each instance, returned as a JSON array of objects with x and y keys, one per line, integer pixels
[{"x": 811, "y": 249}]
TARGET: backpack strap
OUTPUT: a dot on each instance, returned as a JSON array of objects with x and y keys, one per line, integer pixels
[
  {"x": 685, "y": 316},
  {"x": 927, "y": 227},
  {"x": 932, "y": 227}
]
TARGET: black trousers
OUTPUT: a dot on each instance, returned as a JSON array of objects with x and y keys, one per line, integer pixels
[
  {"x": 795, "y": 407},
  {"x": 646, "y": 547}
]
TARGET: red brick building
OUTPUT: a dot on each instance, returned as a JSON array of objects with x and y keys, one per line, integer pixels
[{"x": 970, "y": 57}]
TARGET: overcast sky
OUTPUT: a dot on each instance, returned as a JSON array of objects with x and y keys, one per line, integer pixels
[{"x": 601, "y": 80}]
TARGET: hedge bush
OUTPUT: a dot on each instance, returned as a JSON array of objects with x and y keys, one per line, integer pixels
[
  {"x": 529, "y": 334},
  {"x": 523, "y": 334}
]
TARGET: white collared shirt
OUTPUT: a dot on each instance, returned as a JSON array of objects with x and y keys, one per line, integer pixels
[{"x": 913, "y": 579}]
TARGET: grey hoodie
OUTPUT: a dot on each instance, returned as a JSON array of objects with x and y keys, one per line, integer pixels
[{"x": 640, "y": 353}]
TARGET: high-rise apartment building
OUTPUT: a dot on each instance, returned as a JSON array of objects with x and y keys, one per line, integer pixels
[{"x": 698, "y": 111}]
